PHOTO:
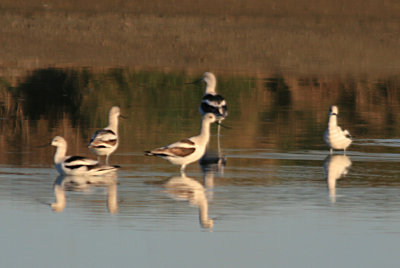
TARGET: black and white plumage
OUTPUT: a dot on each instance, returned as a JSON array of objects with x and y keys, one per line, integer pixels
[
  {"x": 334, "y": 136},
  {"x": 105, "y": 141},
  {"x": 188, "y": 150},
  {"x": 76, "y": 165},
  {"x": 213, "y": 102}
]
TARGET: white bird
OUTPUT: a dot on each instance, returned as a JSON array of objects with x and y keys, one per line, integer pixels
[
  {"x": 188, "y": 150},
  {"x": 335, "y": 167},
  {"x": 213, "y": 102},
  {"x": 334, "y": 136},
  {"x": 188, "y": 189},
  {"x": 76, "y": 165},
  {"x": 105, "y": 141}
]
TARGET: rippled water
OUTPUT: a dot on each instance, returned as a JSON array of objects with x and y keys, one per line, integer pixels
[{"x": 276, "y": 198}]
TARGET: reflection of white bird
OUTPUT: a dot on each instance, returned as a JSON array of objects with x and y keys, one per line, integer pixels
[
  {"x": 335, "y": 167},
  {"x": 334, "y": 136},
  {"x": 188, "y": 189},
  {"x": 105, "y": 141},
  {"x": 83, "y": 183},
  {"x": 188, "y": 150},
  {"x": 76, "y": 165}
]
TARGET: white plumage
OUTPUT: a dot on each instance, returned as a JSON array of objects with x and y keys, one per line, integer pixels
[
  {"x": 188, "y": 150},
  {"x": 334, "y": 136},
  {"x": 105, "y": 141},
  {"x": 76, "y": 165}
]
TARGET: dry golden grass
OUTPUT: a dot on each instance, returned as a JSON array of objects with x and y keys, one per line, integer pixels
[{"x": 311, "y": 37}]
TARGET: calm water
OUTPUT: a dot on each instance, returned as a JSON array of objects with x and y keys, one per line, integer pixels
[{"x": 276, "y": 198}]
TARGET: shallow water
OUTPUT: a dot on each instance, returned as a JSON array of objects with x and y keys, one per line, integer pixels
[{"x": 277, "y": 199}]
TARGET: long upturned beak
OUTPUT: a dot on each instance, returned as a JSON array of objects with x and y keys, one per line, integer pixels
[
  {"x": 219, "y": 123},
  {"x": 43, "y": 145},
  {"x": 193, "y": 82}
]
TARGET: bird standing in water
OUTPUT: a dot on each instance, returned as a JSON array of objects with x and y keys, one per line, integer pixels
[
  {"x": 105, "y": 141},
  {"x": 334, "y": 136},
  {"x": 76, "y": 165},
  {"x": 189, "y": 150},
  {"x": 213, "y": 102}
]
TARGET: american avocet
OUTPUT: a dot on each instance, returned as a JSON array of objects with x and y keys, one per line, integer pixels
[
  {"x": 335, "y": 167},
  {"x": 334, "y": 136},
  {"x": 76, "y": 165},
  {"x": 213, "y": 102},
  {"x": 188, "y": 189},
  {"x": 105, "y": 141},
  {"x": 188, "y": 150}
]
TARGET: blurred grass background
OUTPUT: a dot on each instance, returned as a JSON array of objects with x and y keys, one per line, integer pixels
[{"x": 255, "y": 36}]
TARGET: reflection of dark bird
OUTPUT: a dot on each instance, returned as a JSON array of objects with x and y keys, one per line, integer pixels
[
  {"x": 334, "y": 136},
  {"x": 76, "y": 165},
  {"x": 213, "y": 102},
  {"x": 83, "y": 183},
  {"x": 335, "y": 167},
  {"x": 105, "y": 141},
  {"x": 212, "y": 161},
  {"x": 188, "y": 150},
  {"x": 210, "y": 164},
  {"x": 188, "y": 189}
]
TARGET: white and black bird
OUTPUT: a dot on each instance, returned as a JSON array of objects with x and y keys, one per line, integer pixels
[
  {"x": 189, "y": 150},
  {"x": 334, "y": 136},
  {"x": 105, "y": 141},
  {"x": 213, "y": 102},
  {"x": 76, "y": 165}
]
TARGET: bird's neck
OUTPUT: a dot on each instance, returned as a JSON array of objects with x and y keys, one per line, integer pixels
[
  {"x": 333, "y": 121},
  {"x": 205, "y": 131},
  {"x": 210, "y": 88},
  {"x": 113, "y": 124},
  {"x": 60, "y": 154}
]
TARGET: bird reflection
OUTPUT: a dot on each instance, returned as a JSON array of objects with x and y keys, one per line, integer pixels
[
  {"x": 82, "y": 184},
  {"x": 211, "y": 163},
  {"x": 188, "y": 189},
  {"x": 335, "y": 167}
]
